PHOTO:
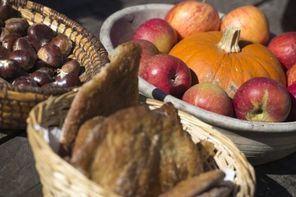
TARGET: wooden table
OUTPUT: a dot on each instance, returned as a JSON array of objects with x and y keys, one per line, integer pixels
[{"x": 18, "y": 176}]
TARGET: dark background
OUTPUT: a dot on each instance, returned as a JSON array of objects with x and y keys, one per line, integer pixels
[{"x": 17, "y": 172}]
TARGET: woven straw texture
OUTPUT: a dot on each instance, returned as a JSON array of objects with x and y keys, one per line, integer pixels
[
  {"x": 59, "y": 178},
  {"x": 16, "y": 103}
]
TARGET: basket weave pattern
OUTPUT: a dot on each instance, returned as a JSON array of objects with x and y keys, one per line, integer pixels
[
  {"x": 61, "y": 179},
  {"x": 16, "y": 103}
]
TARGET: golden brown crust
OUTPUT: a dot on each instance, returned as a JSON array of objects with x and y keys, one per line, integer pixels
[
  {"x": 114, "y": 88},
  {"x": 139, "y": 152},
  {"x": 179, "y": 157},
  {"x": 127, "y": 161},
  {"x": 196, "y": 185},
  {"x": 87, "y": 140},
  {"x": 85, "y": 131}
]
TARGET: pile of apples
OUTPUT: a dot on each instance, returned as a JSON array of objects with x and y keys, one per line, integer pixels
[{"x": 258, "y": 99}]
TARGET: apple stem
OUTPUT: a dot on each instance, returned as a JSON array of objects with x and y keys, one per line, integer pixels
[{"x": 229, "y": 40}]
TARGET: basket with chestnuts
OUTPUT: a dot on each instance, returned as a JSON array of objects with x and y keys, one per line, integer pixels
[{"x": 42, "y": 53}]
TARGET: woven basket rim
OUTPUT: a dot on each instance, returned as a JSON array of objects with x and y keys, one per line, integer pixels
[
  {"x": 98, "y": 46},
  {"x": 240, "y": 162}
]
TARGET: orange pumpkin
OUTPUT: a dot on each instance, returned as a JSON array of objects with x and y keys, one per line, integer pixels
[{"x": 218, "y": 58}]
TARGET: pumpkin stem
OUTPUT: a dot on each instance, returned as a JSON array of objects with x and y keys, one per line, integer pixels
[{"x": 229, "y": 40}]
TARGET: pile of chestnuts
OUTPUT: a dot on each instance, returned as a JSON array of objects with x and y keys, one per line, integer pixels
[{"x": 34, "y": 55}]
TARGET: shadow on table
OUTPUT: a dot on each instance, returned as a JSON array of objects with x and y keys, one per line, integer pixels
[
  {"x": 8, "y": 134},
  {"x": 270, "y": 176}
]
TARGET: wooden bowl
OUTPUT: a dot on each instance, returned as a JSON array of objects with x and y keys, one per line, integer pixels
[
  {"x": 15, "y": 102},
  {"x": 261, "y": 142}
]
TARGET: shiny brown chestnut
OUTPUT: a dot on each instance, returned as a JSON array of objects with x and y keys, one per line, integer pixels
[
  {"x": 41, "y": 78},
  {"x": 9, "y": 40},
  {"x": 6, "y": 11},
  {"x": 51, "y": 55},
  {"x": 49, "y": 70},
  {"x": 40, "y": 33},
  {"x": 17, "y": 25},
  {"x": 35, "y": 43},
  {"x": 4, "y": 32},
  {"x": 44, "y": 67},
  {"x": 24, "y": 58},
  {"x": 39, "y": 64},
  {"x": 64, "y": 43},
  {"x": 23, "y": 43},
  {"x": 25, "y": 80},
  {"x": 9, "y": 69},
  {"x": 3, "y": 52},
  {"x": 71, "y": 66},
  {"x": 69, "y": 80}
]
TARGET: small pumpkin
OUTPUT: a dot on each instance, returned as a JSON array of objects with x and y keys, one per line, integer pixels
[{"x": 218, "y": 58}]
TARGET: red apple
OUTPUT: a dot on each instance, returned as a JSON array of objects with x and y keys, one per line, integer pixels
[
  {"x": 188, "y": 17},
  {"x": 148, "y": 49},
  {"x": 159, "y": 32},
  {"x": 210, "y": 97},
  {"x": 262, "y": 99},
  {"x": 168, "y": 73},
  {"x": 292, "y": 91},
  {"x": 283, "y": 47},
  {"x": 291, "y": 75}
]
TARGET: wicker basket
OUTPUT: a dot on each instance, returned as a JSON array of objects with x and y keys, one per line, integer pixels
[
  {"x": 15, "y": 103},
  {"x": 59, "y": 178}
]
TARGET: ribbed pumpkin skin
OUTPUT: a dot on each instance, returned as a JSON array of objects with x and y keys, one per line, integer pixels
[{"x": 229, "y": 70}]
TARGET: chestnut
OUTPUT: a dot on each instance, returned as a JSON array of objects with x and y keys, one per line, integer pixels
[
  {"x": 23, "y": 43},
  {"x": 71, "y": 66},
  {"x": 35, "y": 43},
  {"x": 41, "y": 78},
  {"x": 39, "y": 64},
  {"x": 6, "y": 11},
  {"x": 40, "y": 33},
  {"x": 3, "y": 52},
  {"x": 25, "y": 80},
  {"x": 43, "y": 67},
  {"x": 51, "y": 55},
  {"x": 50, "y": 71},
  {"x": 9, "y": 69},
  {"x": 24, "y": 58},
  {"x": 69, "y": 80},
  {"x": 17, "y": 25},
  {"x": 4, "y": 32},
  {"x": 9, "y": 40},
  {"x": 64, "y": 43}
]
